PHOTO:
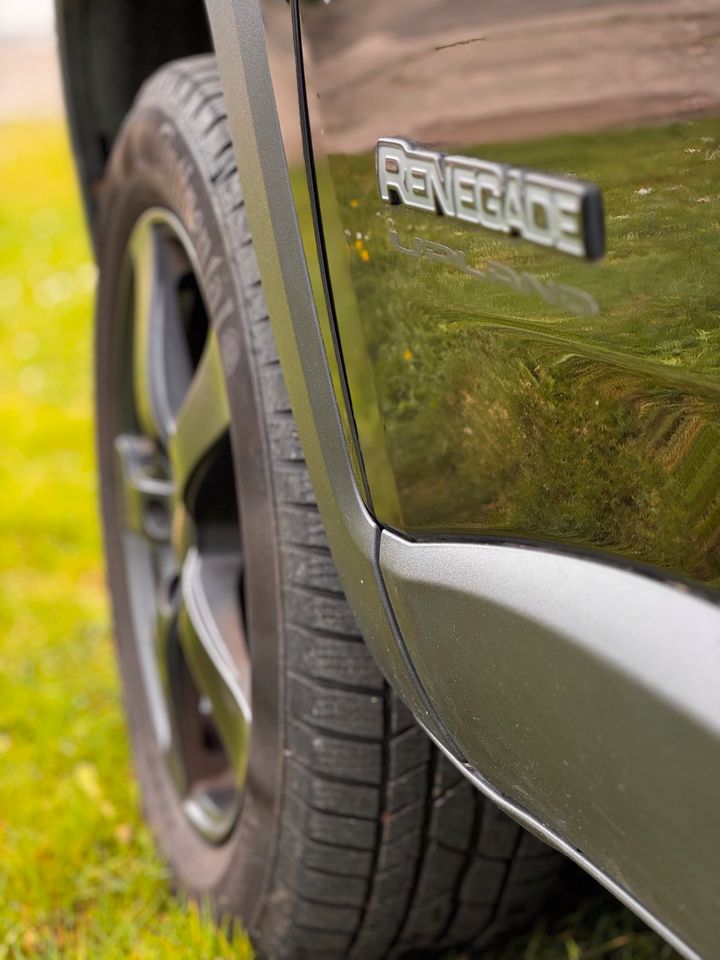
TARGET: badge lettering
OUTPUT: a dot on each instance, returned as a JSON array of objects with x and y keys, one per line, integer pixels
[{"x": 545, "y": 209}]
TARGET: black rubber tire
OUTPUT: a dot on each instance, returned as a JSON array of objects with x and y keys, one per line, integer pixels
[{"x": 357, "y": 838}]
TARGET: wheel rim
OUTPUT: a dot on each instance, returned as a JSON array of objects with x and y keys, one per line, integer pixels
[{"x": 180, "y": 526}]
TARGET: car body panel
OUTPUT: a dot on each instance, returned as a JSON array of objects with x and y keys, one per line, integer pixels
[{"x": 524, "y": 393}]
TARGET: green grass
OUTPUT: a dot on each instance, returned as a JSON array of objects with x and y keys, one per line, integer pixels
[
  {"x": 79, "y": 876},
  {"x": 78, "y": 873}
]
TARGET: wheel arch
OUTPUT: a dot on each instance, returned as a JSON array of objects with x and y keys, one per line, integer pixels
[{"x": 107, "y": 50}]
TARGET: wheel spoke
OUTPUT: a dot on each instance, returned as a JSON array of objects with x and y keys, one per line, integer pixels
[
  {"x": 161, "y": 362},
  {"x": 144, "y": 609},
  {"x": 203, "y": 417},
  {"x": 145, "y": 498},
  {"x": 167, "y": 665},
  {"x": 214, "y": 645}
]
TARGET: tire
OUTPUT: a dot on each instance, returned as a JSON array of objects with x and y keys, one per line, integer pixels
[{"x": 353, "y": 836}]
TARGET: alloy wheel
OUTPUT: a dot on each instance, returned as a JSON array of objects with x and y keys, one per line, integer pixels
[{"x": 181, "y": 528}]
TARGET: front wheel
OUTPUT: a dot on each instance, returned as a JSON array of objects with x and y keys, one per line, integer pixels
[{"x": 283, "y": 778}]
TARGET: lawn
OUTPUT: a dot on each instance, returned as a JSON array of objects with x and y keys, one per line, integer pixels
[{"x": 79, "y": 876}]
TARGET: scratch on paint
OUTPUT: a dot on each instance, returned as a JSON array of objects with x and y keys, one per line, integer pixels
[{"x": 459, "y": 43}]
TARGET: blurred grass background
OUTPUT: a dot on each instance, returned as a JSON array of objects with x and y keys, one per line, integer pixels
[
  {"x": 78, "y": 873},
  {"x": 79, "y": 876}
]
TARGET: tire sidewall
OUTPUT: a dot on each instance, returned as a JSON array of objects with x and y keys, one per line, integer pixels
[{"x": 158, "y": 161}]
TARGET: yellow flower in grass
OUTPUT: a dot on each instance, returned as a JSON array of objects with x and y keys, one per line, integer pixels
[{"x": 360, "y": 247}]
